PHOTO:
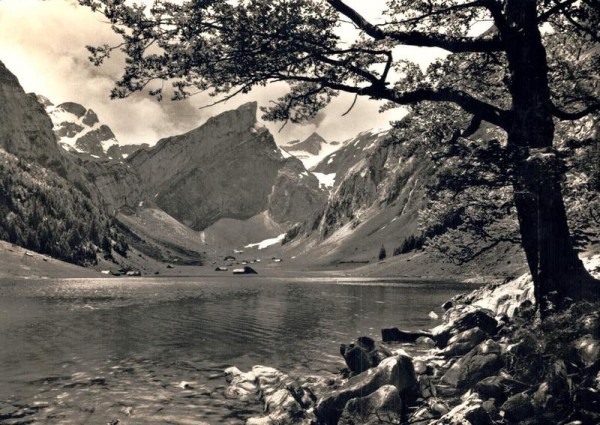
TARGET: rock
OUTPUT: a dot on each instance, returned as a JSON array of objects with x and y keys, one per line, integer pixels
[
  {"x": 241, "y": 385},
  {"x": 517, "y": 408},
  {"x": 397, "y": 335},
  {"x": 490, "y": 407},
  {"x": 364, "y": 354},
  {"x": 586, "y": 350},
  {"x": 448, "y": 305},
  {"x": 498, "y": 387},
  {"x": 478, "y": 416},
  {"x": 245, "y": 270},
  {"x": 468, "y": 412},
  {"x": 426, "y": 387},
  {"x": 482, "y": 319},
  {"x": 481, "y": 362},
  {"x": 425, "y": 341},
  {"x": 420, "y": 367},
  {"x": 437, "y": 407},
  {"x": 357, "y": 358},
  {"x": 397, "y": 371},
  {"x": 490, "y": 387},
  {"x": 464, "y": 342},
  {"x": 284, "y": 399},
  {"x": 384, "y": 403},
  {"x": 460, "y": 320},
  {"x": 588, "y": 399}
]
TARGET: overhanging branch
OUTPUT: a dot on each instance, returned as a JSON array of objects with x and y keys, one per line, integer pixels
[
  {"x": 418, "y": 38},
  {"x": 573, "y": 116}
]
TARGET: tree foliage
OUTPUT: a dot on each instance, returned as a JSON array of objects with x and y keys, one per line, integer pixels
[
  {"x": 382, "y": 253},
  {"x": 228, "y": 48},
  {"x": 509, "y": 76},
  {"x": 43, "y": 212}
]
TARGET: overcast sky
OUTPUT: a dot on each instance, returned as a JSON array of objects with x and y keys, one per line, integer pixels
[{"x": 43, "y": 44}]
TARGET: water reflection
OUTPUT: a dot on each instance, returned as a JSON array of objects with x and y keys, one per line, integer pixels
[{"x": 90, "y": 351}]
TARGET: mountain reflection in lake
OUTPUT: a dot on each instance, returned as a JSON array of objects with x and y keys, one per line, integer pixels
[{"x": 92, "y": 351}]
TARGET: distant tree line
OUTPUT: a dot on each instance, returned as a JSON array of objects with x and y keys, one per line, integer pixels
[{"x": 43, "y": 212}]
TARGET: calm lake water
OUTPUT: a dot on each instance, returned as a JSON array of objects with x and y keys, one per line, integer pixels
[{"x": 90, "y": 351}]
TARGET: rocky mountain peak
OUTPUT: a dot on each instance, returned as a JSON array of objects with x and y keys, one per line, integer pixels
[
  {"x": 25, "y": 130},
  {"x": 237, "y": 120},
  {"x": 73, "y": 108},
  {"x": 42, "y": 100},
  {"x": 313, "y": 144},
  {"x": 7, "y": 78},
  {"x": 79, "y": 130}
]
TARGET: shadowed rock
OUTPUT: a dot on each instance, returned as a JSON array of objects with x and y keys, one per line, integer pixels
[
  {"x": 397, "y": 335},
  {"x": 397, "y": 371}
]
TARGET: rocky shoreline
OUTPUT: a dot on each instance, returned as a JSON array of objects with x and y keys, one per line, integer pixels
[{"x": 491, "y": 361}]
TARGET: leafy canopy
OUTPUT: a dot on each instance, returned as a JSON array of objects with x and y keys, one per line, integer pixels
[{"x": 226, "y": 48}]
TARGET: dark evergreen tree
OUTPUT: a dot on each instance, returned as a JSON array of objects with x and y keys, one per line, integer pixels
[{"x": 382, "y": 253}]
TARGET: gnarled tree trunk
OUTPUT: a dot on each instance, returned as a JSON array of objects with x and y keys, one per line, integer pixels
[{"x": 555, "y": 267}]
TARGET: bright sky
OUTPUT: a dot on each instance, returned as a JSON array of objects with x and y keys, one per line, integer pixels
[{"x": 43, "y": 44}]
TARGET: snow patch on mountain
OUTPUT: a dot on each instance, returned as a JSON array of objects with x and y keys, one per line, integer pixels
[
  {"x": 267, "y": 242},
  {"x": 325, "y": 180}
]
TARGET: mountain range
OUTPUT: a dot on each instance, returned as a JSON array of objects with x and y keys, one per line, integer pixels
[{"x": 225, "y": 185}]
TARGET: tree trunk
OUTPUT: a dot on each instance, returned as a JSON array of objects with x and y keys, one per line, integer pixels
[{"x": 555, "y": 267}]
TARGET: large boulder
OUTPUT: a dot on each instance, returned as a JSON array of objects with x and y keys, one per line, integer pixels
[
  {"x": 397, "y": 371},
  {"x": 586, "y": 351},
  {"x": 464, "y": 342},
  {"x": 463, "y": 318},
  {"x": 498, "y": 387},
  {"x": 363, "y": 354},
  {"x": 469, "y": 412},
  {"x": 283, "y": 398},
  {"x": 517, "y": 408},
  {"x": 242, "y": 385},
  {"x": 385, "y": 403},
  {"x": 483, "y": 361}
]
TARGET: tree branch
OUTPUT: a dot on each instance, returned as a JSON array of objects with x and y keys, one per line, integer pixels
[
  {"x": 418, "y": 38},
  {"x": 573, "y": 116},
  {"x": 470, "y": 104},
  {"x": 554, "y": 10}
]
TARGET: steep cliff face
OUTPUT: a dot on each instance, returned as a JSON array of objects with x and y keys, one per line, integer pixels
[
  {"x": 296, "y": 194},
  {"x": 378, "y": 191},
  {"x": 226, "y": 168},
  {"x": 46, "y": 202},
  {"x": 25, "y": 129},
  {"x": 387, "y": 177},
  {"x": 119, "y": 186}
]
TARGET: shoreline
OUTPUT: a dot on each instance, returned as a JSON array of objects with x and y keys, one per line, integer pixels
[
  {"x": 23, "y": 264},
  {"x": 491, "y": 361}
]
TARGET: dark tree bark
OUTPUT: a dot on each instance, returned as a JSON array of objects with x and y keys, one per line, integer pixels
[{"x": 555, "y": 267}]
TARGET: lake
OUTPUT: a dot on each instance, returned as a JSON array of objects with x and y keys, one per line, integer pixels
[{"x": 91, "y": 351}]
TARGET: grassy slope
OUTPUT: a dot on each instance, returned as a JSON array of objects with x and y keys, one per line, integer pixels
[{"x": 17, "y": 262}]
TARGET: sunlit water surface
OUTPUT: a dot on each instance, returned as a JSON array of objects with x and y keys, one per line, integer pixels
[{"x": 91, "y": 351}]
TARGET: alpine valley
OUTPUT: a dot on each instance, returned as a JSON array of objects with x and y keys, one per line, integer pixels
[{"x": 71, "y": 191}]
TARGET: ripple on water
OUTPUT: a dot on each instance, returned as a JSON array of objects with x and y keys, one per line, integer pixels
[{"x": 94, "y": 351}]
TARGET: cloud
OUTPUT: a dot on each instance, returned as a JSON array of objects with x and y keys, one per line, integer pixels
[{"x": 43, "y": 43}]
